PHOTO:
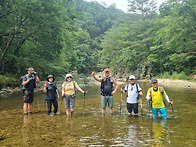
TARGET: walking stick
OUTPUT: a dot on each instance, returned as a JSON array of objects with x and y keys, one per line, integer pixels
[
  {"x": 37, "y": 99},
  {"x": 149, "y": 106},
  {"x": 141, "y": 105},
  {"x": 61, "y": 105},
  {"x": 172, "y": 109},
  {"x": 84, "y": 98},
  {"x": 121, "y": 103}
]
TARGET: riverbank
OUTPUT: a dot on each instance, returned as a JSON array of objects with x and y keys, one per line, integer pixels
[
  {"x": 177, "y": 83},
  {"x": 163, "y": 82}
]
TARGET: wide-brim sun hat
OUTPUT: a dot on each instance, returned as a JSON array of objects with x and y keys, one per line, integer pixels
[
  {"x": 50, "y": 76},
  {"x": 68, "y": 75},
  {"x": 132, "y": 77}
]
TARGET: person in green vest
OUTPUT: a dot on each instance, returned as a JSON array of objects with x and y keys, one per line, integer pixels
[{"x": 156, "y": 93}]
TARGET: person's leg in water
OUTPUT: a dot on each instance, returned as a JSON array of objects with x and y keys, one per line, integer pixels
[
  {"x": 55, "y": 104},
  {"x": 49, "y": 102},
  {"x": 72, "y": 102},
  {"x": 25, "y": 108},
  {"x": 67, "y": 111},
  {"x": 135, "y": 109},
  {"x": 163, "y": 112},
  {"x": 103, "y": 103},
  {"x": 129, "y": 109},
  {"x": 155, "y": 112},
  {"x": 67, "y": 105},
  {"x": 110, "y": 104}
]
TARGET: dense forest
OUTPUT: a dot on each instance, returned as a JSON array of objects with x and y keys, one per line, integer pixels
[{"x": 61, "y": 36}]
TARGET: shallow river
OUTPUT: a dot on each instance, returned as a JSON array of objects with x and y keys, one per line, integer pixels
[{"x": 88, "y": 128}]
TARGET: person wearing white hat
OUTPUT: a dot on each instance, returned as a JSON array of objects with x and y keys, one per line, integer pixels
[
  {"x": 134, "y": 91},
  {"x": 68, "y": 91}
]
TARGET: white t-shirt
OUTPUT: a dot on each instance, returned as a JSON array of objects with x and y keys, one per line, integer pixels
[{"x": 132, "y": 93}]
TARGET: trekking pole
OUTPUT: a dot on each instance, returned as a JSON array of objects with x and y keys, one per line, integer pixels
[
  {"x": 149, "y": 101},
  {"x": 141, "y": 105},
  {"x": 121, "y": 103},
  {"x": 61, "y": 105},
  {"x": 84, "y": 98},
  {"x": 172, "y": 109},
  {"x": 37, "y": 99}
]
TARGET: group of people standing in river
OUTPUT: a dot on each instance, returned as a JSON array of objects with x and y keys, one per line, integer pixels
[{"x": 133, "y": 89}]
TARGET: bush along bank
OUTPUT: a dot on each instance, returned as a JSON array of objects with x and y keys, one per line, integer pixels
[{"x": 6, "y": 83}]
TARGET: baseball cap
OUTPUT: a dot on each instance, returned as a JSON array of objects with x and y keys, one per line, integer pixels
[
  {"x": 31, "y": 70},
  {"x": 132, "y": 77},
  {"x": 154, "y": 81},
  {"x": 106, "y": 70}
]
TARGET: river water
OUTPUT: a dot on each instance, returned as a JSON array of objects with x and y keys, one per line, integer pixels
[{"x": 88, "y": 128}]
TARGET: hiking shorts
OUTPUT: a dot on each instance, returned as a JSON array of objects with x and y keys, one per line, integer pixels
[
  {"x": 28, "y": 96},
  {"x": 162, "y": 111},
  {"x": 107, "y": 100},
  {"x": 69, "y": 101},
  {"x": 132, "y": 106}
]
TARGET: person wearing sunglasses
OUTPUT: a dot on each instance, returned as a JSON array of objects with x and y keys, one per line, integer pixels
[
  {"x": 133, "y": 92},
  {"x": 69, "y": 92}
]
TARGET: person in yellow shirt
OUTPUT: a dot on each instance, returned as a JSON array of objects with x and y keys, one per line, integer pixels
[
  {"x": 156, "y": 93},
  {"x": 68, "y": 91}
]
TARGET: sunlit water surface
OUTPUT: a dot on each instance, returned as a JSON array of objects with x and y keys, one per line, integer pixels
[{"x": 88, "y": 128}]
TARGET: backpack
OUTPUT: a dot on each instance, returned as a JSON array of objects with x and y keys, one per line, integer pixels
[
  {"x": 23, "y": 88},
  {"x": 136, "y": 88},
  {"x": 54, "y": 85},
  {"x": 161, "y": 89},
  {"x": 106, "y": 86},
  {"x": 65, "y": 83},
  {"x": 21, "y": 80}
]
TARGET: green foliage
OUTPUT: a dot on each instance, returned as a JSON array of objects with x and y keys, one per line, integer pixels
[
  {"x": 180, "y": 76},
  {"x": 165, "y": 75},
  {"x": 7, "y": 81},
  {"x": 57, "y": 37}
]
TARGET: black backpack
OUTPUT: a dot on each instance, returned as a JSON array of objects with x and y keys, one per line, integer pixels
[{"x": 106, "y": 86}]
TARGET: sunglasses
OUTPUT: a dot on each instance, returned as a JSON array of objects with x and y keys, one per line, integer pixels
[{"x": 69, "y": 77}]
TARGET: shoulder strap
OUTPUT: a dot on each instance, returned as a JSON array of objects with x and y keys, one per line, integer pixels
[
  {"x": 150, "y": 90},
  {"x": 27, "y": 76},
  {"x": 161, "y": 89},
  {"x": 137, "y": 87},
  {"x": 127, "y": 86}
]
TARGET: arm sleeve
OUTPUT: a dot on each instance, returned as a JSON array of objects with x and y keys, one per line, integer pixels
[
  {"x": 166, "y": 96},
  {"x": 148, "y": 94}
]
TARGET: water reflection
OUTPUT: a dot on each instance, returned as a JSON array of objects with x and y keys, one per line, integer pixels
[
  {"x": 26, "y": 132},
  {"x": 88, "y": 128},
  {"x": 158, "y": 130}
]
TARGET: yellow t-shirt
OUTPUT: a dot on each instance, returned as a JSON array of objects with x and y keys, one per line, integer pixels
[
  {"x": 69, "y": 88},
  {"x": 157, "y": 98}
]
